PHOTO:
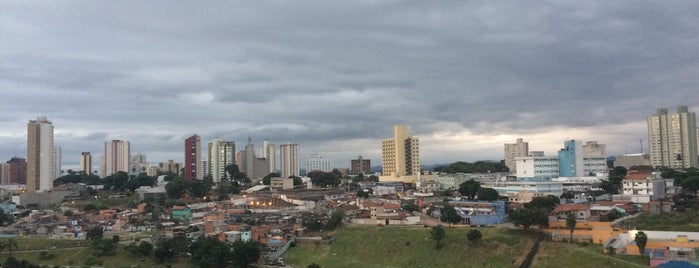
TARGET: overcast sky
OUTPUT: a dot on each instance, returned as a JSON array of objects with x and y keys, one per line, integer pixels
[{"x": 335, "y": 76}]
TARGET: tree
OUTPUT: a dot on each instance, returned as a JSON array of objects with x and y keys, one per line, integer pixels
[
  {"x": 236, "y": 176},
  {"x": 336, "y": 219},
  {"x": 567, "y": 196},
  {"x": 618, "y": 171},
  {"x": 448, "y": 214},
  {"x": 641, "y": 240},
  {"x": 410, "y": 207},
  {"x": 313, "y": 265},
  {"x": 267, "y": 180},
  {"x": 116, "y": 182},
  {"x": 546, "y": 203},
  {"x": 200, "y": 188},
  {"x": 474, "y": 235},
  {"x": 477, "y": 167},
  {"x": 245, "y": 253},
  {"x": 176, "y": 187},
  {"x": 469, "y": 188},
  {"x": 140, "y": 180},
  {"x": 144, "y": 248},
  {"x": 103, "y": 247},
  {"x": 611, "y": 185},
  {"x": 324, "y": 179},
  {"x": 570, "y": 223},
  {"x": 94, "y": 233},
  {"x": 210, "y": 252},
  {"x": 488, "y": 194},
  {"x": 362, "y": 193},
  {"x": 437, "y": 234},
  {"x": 528, "y": 217}
]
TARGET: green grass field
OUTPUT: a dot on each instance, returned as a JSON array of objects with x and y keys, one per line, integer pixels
[
  {"x": 686, "y": 221},
  {"x": 412, "y": 247},
  {"x": 77, "y": 253}
]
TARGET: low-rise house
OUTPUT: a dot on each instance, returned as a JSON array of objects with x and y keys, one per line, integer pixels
[
  {"x": 581, "y": 212},
  {"x": 181, "y": 213},
  {"x": 480, "y": 212},
  {"x": 523, "y": 196},
  {"x": 642, "y": 187}
]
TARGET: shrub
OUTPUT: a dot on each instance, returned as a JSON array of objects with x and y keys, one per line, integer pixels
[{"x": 474, "y": 235}]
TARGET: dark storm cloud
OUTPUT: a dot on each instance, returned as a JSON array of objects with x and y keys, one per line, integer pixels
[{"x": 335, "y": 76}]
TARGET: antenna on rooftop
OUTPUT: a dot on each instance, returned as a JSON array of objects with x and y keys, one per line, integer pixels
[{"x": 641, "y": 142}]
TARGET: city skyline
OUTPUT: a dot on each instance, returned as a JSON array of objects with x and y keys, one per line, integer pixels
[{"x": 334, "y": 77}]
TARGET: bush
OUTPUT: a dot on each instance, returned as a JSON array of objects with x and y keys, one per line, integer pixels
[
  {"x": 474, "y": 235},
  {"x": 46, "y": 255},
  {"x": 92, "y": 260}
]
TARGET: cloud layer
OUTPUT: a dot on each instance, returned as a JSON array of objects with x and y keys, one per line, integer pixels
[{"x": 334, "y": 76}]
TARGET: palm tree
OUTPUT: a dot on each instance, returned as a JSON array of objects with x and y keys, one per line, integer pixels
[
  {"x": 571, "y": 222},
  {"x": 641, "y": 239}
]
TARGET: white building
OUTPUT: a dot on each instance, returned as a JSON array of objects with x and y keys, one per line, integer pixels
[
  {"x": 509, "y": 187},
  {"x": 269, "y": 152},
  {"x": 536, "y": 168},
  {"x": 289, "y": 158},
  {"x": 514, "y": 150},
  {"x": 57, "y": 171},
  {"x": 316, "y": 162},
  {"x": 641, "y": 187},
  {"x": 221, "y": 154},
  {"x": 672, "y": 138},
  {"x": 451, "y": 181}
]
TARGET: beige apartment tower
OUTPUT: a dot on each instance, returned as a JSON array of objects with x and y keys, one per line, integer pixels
[
  {"x": 289, "y": 159},
  {"x": 672, "y": 139},
  {"x": 117, "y": 156},
  {"x": 400, "y": 157},
  {"x": 512, "y": 150},
  {"x": 40, "y": 163},
  {"x": 86, "y": 163}
]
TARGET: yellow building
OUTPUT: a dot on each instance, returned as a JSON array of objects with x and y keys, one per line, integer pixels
[{"x": 400, "y": 157}]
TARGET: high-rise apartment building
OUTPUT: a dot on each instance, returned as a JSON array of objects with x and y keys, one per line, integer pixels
[
  {"x": 40, "y": 162},
  {"x": 4, "y": 173},
  {"x": 204, "y": 168},
  {"x": 289, "y": 159},
  {"x": 117, "y": 156},
  {"x": 594, "y": 158},
  {"x": 192, "y": 158},
  {"x": 269, "y": 152},
  {"x": 594, "y": 149},
  {"x": 17, "y": 169},
  {"x": 400, "y": 157},
  {"x": 360, "y": 165},
  {"x": 221, "y": 154},
  {"x": 570, "y": 159},
  {"x": 169, "y": 167},
  {"x": 139, "y": 164},
  {"x": 57, "y": 169},
  {"x": 512, "y": 150},
  {"x": 254, "y": 167},
  {"x": 86, "y": 163},
  {"x": 672, "y": 138},
  {"x": 316, "y": 162}
]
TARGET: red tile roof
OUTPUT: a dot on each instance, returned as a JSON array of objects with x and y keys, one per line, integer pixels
[{"x": 571, "y": 207}]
